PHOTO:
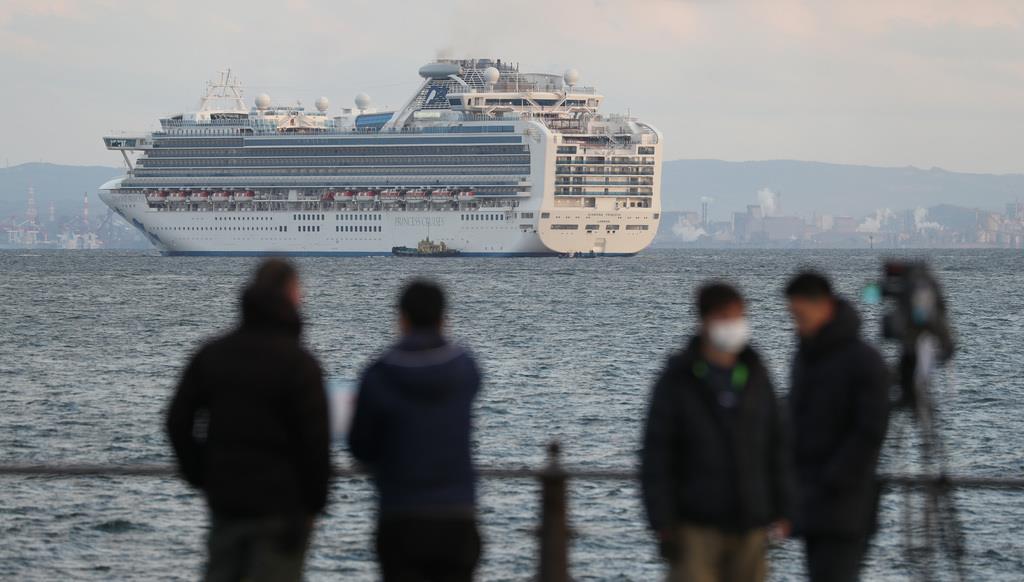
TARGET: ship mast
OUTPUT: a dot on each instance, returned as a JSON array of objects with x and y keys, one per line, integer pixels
[{"x": 226, "y": 89}]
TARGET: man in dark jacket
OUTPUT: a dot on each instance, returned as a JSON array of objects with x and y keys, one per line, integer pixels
[
  {"x": 248, "y": 424},
  {"x": 412, "y": 429},
  {"x": 839, "y": 404},
  {"x": 714, "y": 466}
]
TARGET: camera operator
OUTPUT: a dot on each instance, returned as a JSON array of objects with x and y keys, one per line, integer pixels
[{"x": 839, "y": 402}]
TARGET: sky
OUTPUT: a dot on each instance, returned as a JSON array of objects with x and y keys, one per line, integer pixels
[{"x": 881, "y": 82}]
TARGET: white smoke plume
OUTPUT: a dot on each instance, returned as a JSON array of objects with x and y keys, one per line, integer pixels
[
  {"x": 769, "y": 201},
  {"x": 875, "y": 223},
  {"x": 686, "y": 231},
  {"x": 920, "y": 214}
]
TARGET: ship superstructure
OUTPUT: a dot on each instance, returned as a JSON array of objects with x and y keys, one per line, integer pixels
[{"x": 482, "y": 158}]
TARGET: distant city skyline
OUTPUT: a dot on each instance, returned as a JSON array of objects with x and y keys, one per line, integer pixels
[{"x": 923, "y": 83}]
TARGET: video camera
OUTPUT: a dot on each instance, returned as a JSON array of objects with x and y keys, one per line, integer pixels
[{"x": 917, "y": 310}]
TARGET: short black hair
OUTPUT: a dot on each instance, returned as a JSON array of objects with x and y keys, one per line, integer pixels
[
  {"x": 809, "y": 285},
  {"x": 716, "y": 295},
  {"x": 274, "y": 275},
  {"x": 422, "y": 303}
]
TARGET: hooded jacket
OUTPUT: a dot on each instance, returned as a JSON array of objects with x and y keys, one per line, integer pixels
[
  {"x": 839, "y": 406},
  {"x": 699, "y": 468},
  {"x": 412, "y": 426},
  {"x": 248, "y": 420}
]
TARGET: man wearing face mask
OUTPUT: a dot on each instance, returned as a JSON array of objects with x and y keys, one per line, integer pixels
[
  {"x": 839, "y": 403},
  {"x": 714, "y": 467}
]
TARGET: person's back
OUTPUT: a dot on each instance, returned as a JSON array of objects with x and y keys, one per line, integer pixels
[
  {"x": 412, "y": 429},
  {"x": 839, "y": 402},
  {"x": 248, "y": 423}
]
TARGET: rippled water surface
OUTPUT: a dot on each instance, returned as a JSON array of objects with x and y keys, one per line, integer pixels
[{"x": 91, "y": 344}]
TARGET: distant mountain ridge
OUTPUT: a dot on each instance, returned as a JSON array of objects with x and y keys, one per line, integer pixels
[
  {"x": 846, "y": 190},
  {"x": 803, "y": 187}
]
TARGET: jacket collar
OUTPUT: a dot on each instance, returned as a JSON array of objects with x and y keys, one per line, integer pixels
[
  {"x": 692, "y": 357},
  {"x": 421, "y": 339}
]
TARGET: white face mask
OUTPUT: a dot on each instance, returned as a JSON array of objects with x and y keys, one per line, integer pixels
[{"x": 729, "y": 336}]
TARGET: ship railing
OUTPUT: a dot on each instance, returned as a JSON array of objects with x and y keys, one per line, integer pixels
[{"x": 555, "y": 532}]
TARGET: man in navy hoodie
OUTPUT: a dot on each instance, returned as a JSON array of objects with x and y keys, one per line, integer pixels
[{"x": 411, "y": 429}]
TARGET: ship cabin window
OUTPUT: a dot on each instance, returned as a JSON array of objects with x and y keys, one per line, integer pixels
[
  {"x": 591, "y": 227},
  {"x": 611, "y": 227},
  {"x": 548, "y": 215},
  {"x": 565, "y": 227},
  {"x": 636, "y": 227}
]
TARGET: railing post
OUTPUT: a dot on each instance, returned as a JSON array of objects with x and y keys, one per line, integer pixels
[{"x": 554, "y": 524}]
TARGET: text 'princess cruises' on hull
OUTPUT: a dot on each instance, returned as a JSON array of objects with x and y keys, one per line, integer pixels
[{"x": 482, "y": 158}]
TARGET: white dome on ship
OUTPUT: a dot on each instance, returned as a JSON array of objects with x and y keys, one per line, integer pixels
[
  {"x": 262, "y": 101},
  {"x": 571, "y": 77},
  {"x": 322, "y": 104},
  {"x": 491, "y": 75},
  {"x": 362, "y": 101}
]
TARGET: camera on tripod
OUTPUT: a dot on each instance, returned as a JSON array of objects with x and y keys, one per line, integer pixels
[{"x": 916, "y": 313}]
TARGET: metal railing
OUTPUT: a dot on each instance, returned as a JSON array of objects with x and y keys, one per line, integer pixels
[{"x": 555, "y": 532}]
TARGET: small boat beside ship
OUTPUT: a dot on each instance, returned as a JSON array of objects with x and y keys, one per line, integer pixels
[{"x": 426, "y": 248}]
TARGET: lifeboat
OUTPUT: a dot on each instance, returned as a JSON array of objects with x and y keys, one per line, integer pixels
[
  {"x": 178, "y": 196},
  {"x": 200, "y": 196},
  {"x": 328, "y": 196},
  {"x": 366, "y": 196},
  {"x": 441, "y": 196},
  {"x": 415, "y": 196},
  {"x": 157, "y": 196},
  {"x": 467, "y": 196},
  {"x": 245, "y": 196},
  {"x": 222, "y": 196},
  {"x": 389, "y": 196},
  {"x": 346, "y": 196}
]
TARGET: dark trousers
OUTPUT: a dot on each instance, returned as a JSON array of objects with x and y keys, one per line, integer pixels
[
  {"x": 259, "y": 549},
  {"x": 834, "y": 559},
  {"x": 427, "y": 549}
]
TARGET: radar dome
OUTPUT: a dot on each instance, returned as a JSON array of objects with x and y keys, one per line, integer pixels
[
  {"x": 322, "y": 104},
  {"x": 362, "y": 101},
  {"x": 262, "y": 101},
  {"x": 571, "y": 77},
  {"x": 491, "y": 75}
]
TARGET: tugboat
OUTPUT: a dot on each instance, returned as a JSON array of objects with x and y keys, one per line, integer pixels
[
  {"x": 578, "y": 255},
  {"x": 426, "y": 248}
]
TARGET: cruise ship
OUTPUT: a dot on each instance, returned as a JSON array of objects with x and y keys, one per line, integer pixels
[{"x": 482, "y": 158}]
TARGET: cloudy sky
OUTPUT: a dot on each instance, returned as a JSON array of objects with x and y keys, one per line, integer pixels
[{"x": 885, "y": 82}]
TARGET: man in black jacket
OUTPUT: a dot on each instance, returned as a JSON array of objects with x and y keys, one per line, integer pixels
[
  {"x": 714, "y": 466},
  {"x": 412, "y": 428},
  {"x": 249, "y": 426},
  {"x": 839, "y": 402}
]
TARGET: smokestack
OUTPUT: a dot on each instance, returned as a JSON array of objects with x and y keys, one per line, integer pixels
[{"x": 705, "y": 201}]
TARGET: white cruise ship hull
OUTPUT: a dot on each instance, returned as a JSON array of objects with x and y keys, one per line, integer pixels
[{"x": 499, "y": 233}]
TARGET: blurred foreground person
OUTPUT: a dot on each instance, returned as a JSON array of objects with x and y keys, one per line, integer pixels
[
  {"x": 411, "y": 429},
  {"x": 248, "y": 423},
  {"x": 839, "y": 404},
  {"x": 714, "y": 466}
]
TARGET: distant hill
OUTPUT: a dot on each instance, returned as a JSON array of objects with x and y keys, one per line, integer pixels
[
  {"x": 807, "y": 187},
  {"x": 64, "y": 185},
  {"x": 803, "y": 187}
]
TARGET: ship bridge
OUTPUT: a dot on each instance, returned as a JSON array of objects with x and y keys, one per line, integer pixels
[{"x": 492, "y": 88}]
